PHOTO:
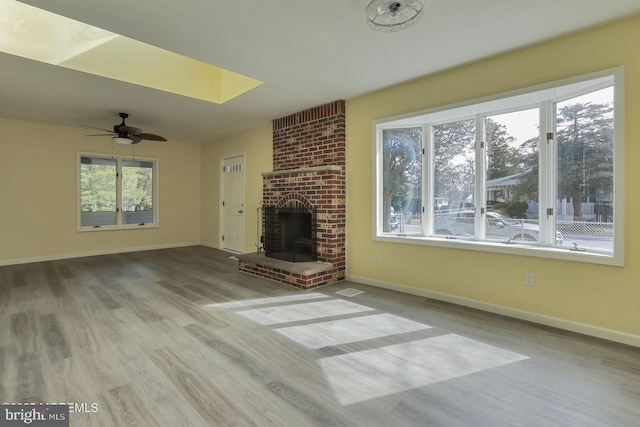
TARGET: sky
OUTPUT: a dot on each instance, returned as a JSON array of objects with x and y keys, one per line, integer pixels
[{"x": 523, "y": 125}]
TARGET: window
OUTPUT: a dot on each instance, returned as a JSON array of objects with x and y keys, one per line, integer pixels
[
  {"x": 533, "y": 173},
  {"x": 116, "y": 192},
  {"x": 402, "y": 201},
  {"x": 454, "y": 175}
]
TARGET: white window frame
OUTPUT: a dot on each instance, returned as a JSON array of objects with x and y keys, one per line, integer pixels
[
  {"x": 119, "y": 224},
  {"x": 544, "y": 97}
]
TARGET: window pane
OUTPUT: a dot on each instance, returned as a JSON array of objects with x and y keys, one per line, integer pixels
[
  {"x": 454, "y": 178},
  {"x": 97, "y": 191},
  {"x": 137, "y": 192},
  {"x": 584, "y": 192},
  {"x": 512, "y": 176},
  {"x": 402, "y": 180}
]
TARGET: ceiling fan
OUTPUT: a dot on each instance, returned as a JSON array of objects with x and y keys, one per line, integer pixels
[{"x": 124, "y": 135}]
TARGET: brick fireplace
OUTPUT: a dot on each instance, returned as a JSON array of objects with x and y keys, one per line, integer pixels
[{"x": 309, "y": 159}]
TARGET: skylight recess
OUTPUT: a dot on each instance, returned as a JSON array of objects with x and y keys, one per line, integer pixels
[{"x": 35, "y": 34}]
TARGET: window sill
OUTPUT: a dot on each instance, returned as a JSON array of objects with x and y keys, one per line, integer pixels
[
  {"x": 551, "y": 252},
  {"x": 116, "y": 227}
]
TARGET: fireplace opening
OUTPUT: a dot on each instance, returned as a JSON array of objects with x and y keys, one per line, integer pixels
[{"x": 289, "y": 234}]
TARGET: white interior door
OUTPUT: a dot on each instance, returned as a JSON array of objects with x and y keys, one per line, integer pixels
[{"x": 233, "y": 203}]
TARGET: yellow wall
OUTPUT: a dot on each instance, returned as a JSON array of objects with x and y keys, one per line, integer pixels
[
  {"x": 600, "y": 296},
  {"x": 38, "y": 193},
  {"x": 257, "y": 146}
]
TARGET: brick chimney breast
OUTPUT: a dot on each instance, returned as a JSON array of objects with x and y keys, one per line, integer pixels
[{"x": 309, "y": 160}]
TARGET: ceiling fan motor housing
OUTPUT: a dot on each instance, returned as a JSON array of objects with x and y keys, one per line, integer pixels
[{"x": 394, "y": 6}]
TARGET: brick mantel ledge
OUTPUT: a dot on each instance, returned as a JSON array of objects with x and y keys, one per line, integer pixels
[{"x": 303, "y": 170}]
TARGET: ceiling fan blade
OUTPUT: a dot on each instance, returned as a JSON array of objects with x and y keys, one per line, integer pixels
[
  {"x": 129, "y": 129},
  {"x": 151, "y": 137},
  {"x": 135, "y": 139},
  {"x": 93, "y": 127},
  {"x": 101, "y": 134}
]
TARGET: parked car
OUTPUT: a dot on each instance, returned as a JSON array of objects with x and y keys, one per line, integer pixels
[{"x": 498, "y": 226}]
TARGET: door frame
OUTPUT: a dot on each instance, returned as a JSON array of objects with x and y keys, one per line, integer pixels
[{"x": 242, "y": 154}]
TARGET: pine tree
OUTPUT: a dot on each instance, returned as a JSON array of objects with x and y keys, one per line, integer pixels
[{"x": 584, "y": 152}]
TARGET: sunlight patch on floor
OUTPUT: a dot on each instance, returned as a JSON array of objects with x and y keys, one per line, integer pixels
[
  {"x": 305, "y": 311},
  {"x": 343, "y": 331},
  {"x": 349, "y": 292},
  {"x": 364, "y": 375},
  {"x": 269, "y": 300}
]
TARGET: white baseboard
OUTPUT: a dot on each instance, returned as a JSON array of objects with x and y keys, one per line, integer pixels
[
  {"x": 569, "y": 325},
  {"x": 216, "y": 246},
  {"x": 96, "y": 253},
  {"x": 210, "y": 245}
]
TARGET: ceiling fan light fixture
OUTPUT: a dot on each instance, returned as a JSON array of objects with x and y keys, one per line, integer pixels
[
  {"x": 122, "y": 141},
  {"x": 389, "y": 16}
]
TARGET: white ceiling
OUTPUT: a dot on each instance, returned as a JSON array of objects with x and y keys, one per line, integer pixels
[{"x": 307, "y": 53}]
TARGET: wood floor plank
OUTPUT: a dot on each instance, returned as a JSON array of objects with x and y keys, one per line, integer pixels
[
  {"x": 248, "y": 392},
  {"x": 136, "y": 333},
  {"x": 632, "y": 391},
  {"x": 196, "y": 313},
  {"x": 81, "y": 318},
  {"x": 94, "y": 374},
  {"x": 64, "y": 269},
  {"x": 142, "y": 308},
  {"x": 126, "y": 408},
  {"x": 53, "y": 337},
  {"x": 296, "y": 398},
  {"x": 24, "y": 333},
  {"x": 3, "y": 372},
  {"x": 19, "y": 279},
  {"x": 30, "y": 386},
  {"x": 212, "y": 404},
  {"x": 54, "y": 280},
  {"x": 161, "y": 395},
  {"x": 209, "y": 294},
  {"x": 103, "y": 295},
  {"x": 179, "y": 337},
  {"x": 213, "y": 289},
  {"x": 178, "y": 290},
  {"x": 5, "y": 289}
]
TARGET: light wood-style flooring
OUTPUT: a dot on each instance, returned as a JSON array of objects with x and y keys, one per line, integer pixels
[{"x": 179, "y": 338}]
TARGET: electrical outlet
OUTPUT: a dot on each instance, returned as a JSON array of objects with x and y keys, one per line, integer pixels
[
  {"x": 68, "y": 241},
  {"x": 528, "y": 279},
  {"x": 376, "y": 257}
]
